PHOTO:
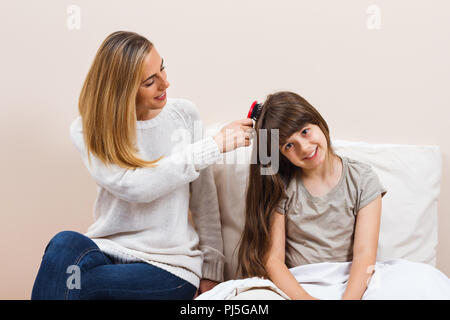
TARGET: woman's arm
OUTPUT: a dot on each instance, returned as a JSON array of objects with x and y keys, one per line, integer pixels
[
  {"x": 364, "y": 249},
  {"x": 148, "y": 184},
  {"x": 172, "y": 171},
  {"x": 275, "y": 265},
  {"x": 204, "y": 206}
]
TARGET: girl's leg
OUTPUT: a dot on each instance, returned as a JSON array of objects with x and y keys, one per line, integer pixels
[
  {"x": 68, "y": 255},
  {"x": 402, "y": 279},
  {"x": 134, "y": 281}
]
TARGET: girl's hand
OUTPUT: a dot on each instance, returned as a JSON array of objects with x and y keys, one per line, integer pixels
[{"x": 234, "y": 135}]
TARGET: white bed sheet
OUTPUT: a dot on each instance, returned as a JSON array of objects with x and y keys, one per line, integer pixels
[{"x": 396, "y": 279}]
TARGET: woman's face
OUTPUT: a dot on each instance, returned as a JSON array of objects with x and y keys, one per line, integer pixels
[
  {"x": 151, "y": 96},
  {"x": 306, "y": 148}
]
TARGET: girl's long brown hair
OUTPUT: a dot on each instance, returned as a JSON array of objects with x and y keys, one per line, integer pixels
[
  {"x": 107, "y": 101},
  {"x": 289, "y": 113}
]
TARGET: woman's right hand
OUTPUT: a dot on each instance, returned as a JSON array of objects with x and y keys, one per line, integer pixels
[{"x": 234, "y": 135}]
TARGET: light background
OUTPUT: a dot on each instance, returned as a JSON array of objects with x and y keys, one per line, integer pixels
[{"x": 388, "y": 85}]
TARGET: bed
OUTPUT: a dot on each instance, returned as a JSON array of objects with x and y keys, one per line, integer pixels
[{"x": 408, "y": 231}]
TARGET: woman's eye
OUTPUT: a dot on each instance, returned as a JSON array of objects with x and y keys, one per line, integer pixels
[
  {"x": 149, "y": 84},
  {"x": 288, "y": 146},
  {"x": 305, "y": 131}
]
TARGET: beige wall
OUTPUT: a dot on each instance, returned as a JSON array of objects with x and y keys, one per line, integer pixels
[{"x": 387, "y": 85}]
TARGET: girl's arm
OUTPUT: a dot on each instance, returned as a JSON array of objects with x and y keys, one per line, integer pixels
[
  {"x": 275, "y": 265},
  {"x": 364, "y": 249}
]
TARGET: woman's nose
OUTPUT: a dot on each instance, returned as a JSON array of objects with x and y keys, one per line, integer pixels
[{"x": 164, "y": 84}]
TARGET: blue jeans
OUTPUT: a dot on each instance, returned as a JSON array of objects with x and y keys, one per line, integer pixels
[{"x": 73, "y": 267}]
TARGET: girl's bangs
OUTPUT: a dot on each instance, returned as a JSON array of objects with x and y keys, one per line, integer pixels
[{"x": 289, "y": 128}]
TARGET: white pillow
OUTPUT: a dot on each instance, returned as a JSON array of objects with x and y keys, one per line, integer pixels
[{"x": 411, "y": 174}]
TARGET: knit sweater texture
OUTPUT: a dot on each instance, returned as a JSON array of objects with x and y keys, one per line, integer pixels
[{"x": 142, "y": 215}]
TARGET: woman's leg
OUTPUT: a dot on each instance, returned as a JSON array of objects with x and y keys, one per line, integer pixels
[
  {"x": 73, "y": 267},
  {"x": 135, "y": 281},
  {"x": 68, "y": 255}
]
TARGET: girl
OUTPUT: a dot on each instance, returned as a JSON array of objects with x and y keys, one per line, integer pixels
[
  {"x": 312, "y": 223},
  {"x": 141, "y": 245},
  {"x": 318, "y": 207}
]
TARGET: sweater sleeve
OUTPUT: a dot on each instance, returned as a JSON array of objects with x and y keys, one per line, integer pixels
[
  {"x": 204, "y": 206},
  {"x": 150, "y": 183}
]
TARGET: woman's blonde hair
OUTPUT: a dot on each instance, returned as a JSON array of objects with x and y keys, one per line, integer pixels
[{"x": 107, "y": 102}]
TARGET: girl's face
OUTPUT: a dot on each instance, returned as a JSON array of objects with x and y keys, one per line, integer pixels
[
  {"x": 151, "y": 96},
  {"x": 306, "y": 148}
]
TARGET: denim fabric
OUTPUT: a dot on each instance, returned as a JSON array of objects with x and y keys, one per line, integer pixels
[{"x": 74, "y": 268}]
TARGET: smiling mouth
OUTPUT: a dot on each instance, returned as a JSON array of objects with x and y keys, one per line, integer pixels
[
  {"x": 312, "y": 155},
  {"x": 161, "y": 97}
]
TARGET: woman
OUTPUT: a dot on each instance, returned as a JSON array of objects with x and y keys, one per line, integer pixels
[{"x": 141, "y": 245}]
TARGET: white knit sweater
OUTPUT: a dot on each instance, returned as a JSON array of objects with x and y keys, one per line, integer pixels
[{"x": 142, "y": 214}]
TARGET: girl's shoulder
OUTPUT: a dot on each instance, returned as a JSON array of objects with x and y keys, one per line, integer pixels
[
  {"x": 356, "y": 169},
  {"x": 364, "y": 177},
  {"x": 291, "y": 186},
  {"x": 352, "y": 169}
]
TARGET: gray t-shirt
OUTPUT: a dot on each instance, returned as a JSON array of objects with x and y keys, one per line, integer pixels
[{"x": 321, "y": 229}]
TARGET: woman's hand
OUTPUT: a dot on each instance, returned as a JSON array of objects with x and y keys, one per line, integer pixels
[
  {"x": 234, "y": 135},
  {"x": 205, "y": 285}
]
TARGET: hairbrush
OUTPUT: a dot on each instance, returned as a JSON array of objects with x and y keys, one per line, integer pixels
[{"x": 255, "y": 111}]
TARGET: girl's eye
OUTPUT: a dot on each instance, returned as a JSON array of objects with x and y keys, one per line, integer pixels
[
  {"x": 305, "y": 131},
  {"x": 288, "y": 146}
]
